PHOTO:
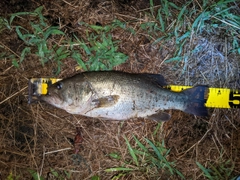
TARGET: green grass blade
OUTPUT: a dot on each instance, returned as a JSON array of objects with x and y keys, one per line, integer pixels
[
  {"x": 15, "y": 63},
  {"x": 119, "y": 176},
  {"x": 38, "y": 30},
  {"x": 165, "y": 8},
  {"x": 62, "y": 56},
  {"x": 19, "y": 33},
  {"x": 174, "y": 59},
  {"x": 86, "y": 48},
  {"x": 78, "y": 58},
  {"x": 40, "y": 52},
  {"x": 118, "y": 169},
  {"x": 160, "y": 157},
  {"x": 179, "y": 174},
  {"x": 35, "y": 175},
  {"x": 55, "y": 173},
  {"x": 138, "y": 152},
  {"x": 179, "y": 48},
  {"x": 181, "y": 13},
  {"x": 25, "y": 51},
  {"x": 95, "y": 178},
  {"x": 157, "y": 128},
  {"x": 38, "y": 10},
  {"x": 20, "y": 14},
  {"x": 205, "y": 171},
  {"x": 140, "y": 144},
  {"x": 199, "y": 21},
  {"x": 184, "y": 36},
  {"x": 118, "y": 23},
  {"x": 152, "y": 7},
  {"x": 40, "y": 15},
  {"x": 4, "y": 23},
  {"x": 115, "y": 155},
  {"x": 52, "y": 31},
  {"x": 83, "y": 45},
  {"x": 174, "y": 6},
  {"x": 158, "y": 40},
  {"x": 160, "y": 19},
  {"x": 224, "y": 2},
  {"x": 131, "y": 151}
]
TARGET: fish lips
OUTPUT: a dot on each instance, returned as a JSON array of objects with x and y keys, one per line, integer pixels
[{"x": 52, "y": 98}]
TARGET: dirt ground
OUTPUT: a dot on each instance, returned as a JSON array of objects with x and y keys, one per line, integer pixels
[{"x": 40, "y": 137}]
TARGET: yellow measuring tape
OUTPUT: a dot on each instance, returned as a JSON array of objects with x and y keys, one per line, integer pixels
[{"x": 217, "y": 97}]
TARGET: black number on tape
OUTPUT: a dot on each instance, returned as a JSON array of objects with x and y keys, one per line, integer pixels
[
  {"x": 234, "y": 99},
  {"x": 45, "y": 81}
]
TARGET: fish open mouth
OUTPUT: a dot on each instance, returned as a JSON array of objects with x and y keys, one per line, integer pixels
[
  {"x": 38, "y": 87},
  {"x": 52, "y": 98}
]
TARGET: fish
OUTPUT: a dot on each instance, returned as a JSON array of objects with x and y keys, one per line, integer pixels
[{"x": 115, "y": 95}]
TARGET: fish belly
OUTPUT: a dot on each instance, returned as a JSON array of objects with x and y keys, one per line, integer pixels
[{"x": 125, "y": 109}]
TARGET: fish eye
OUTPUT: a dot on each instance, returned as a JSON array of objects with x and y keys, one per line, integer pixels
[{"x": 59, "y": 86}]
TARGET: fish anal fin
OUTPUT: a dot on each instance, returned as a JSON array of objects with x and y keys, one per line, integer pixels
[{"x": 159, "y": 116}]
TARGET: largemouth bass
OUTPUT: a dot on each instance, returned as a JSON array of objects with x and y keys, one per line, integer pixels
[{"x": 119, "y": 96}]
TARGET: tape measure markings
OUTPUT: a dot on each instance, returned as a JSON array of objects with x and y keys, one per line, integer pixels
[{"x": 217, "y": 97}]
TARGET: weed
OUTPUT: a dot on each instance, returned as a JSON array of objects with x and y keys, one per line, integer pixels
[
  {"x": 12, "y": 177},
  {"x": 4, "y": 24},
  {"x": 99, "y": 49},
  {"x": 53, "y": 174},
  {"x": 218, "y": 15},
  {"x": 101, "y": 52},
  {"x": 36, "y": 175},
  {"x": 173, "y": 22},
  {"x": 146, "y": 157},
  {"x": 38, "y": 38},
  {"x": 95, "y": 178},
  {"x": 223, "y": 170}
]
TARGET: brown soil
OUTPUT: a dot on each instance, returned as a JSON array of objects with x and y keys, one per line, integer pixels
[{"x": 40, "y": 137}]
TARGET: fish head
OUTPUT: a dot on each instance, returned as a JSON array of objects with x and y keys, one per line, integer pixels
[
  {"x": 73, "y": 95},
  {"x": 57, "y": 95}
]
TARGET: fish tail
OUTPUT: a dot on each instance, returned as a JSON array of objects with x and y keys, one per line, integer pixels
[{"x": 197, "y": 98}]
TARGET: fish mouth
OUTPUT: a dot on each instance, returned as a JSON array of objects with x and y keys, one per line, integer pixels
[{"x": 52, "y": 98}]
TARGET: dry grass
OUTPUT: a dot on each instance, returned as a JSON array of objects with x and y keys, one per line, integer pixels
[{"x": 39, "y": 137}]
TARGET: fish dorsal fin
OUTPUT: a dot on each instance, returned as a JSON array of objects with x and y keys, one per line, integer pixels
[
  {"x": 106, "y": 101},
  {"x": 160, "y": 116},
  {"x": 156, "y": 78}
]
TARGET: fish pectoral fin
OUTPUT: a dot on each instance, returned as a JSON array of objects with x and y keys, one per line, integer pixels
[
  {"x": 106, "y": 101},
  {"x": 159, "y": 116}
]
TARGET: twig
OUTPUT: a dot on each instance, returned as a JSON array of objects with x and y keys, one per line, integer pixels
[
  {"x": 13, "y": 95},
  {"x": 225, "y": 22},
  {"x": 69, "y": 3},
  {"x": 9, "y": 49},
  {"x": 50, "y": 152},
  {"x": 196, "y": 142},
  {"x": 44, "y": 149},
  {"x": 149, "y": 8}
]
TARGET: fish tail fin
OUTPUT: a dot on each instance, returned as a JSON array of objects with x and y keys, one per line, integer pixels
[{"x": 197, "y": 99}]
